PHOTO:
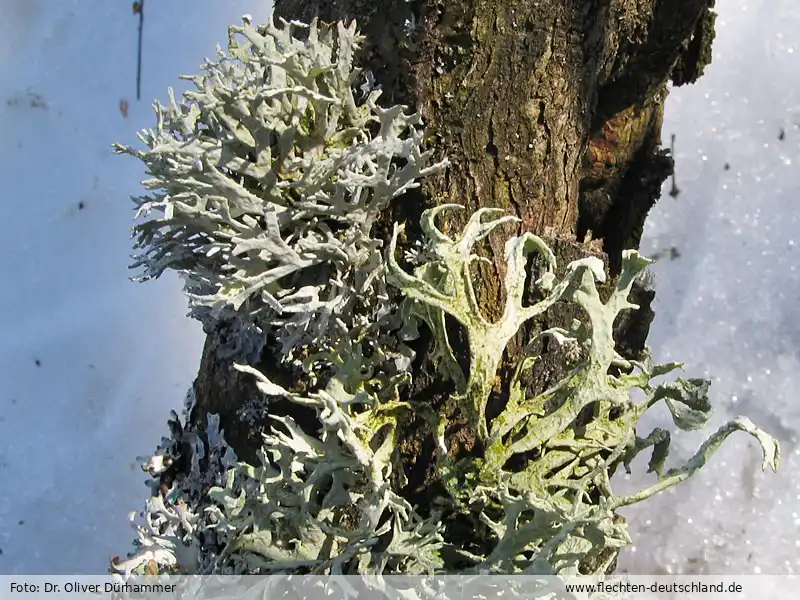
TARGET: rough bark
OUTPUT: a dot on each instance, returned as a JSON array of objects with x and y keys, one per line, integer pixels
[{"x": 549, "y": 109}]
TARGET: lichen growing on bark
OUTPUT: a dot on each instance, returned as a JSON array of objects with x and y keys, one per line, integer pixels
[
  {"x": 268, "y": 178},
  {"x": 555, "y": 514},
  {"x": 271, "y": 178}
]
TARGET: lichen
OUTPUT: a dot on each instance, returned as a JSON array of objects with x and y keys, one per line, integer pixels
[
  {"x": 271, "y": 177},
  {"x": 556, "y": 514},
  {"x": 268, "y": 178}
]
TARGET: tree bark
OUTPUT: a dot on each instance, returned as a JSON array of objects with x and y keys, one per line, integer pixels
[{"x": 549, "y": 109}]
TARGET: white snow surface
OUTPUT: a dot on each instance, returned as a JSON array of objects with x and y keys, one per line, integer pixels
[
  {"x": 727, "y": 306},
  {"x": 114, "y": 356},
  {"x": 91, "y": 364}
]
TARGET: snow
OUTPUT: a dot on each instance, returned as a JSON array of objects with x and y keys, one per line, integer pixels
[
  {"x": 727, "y": 306},
  {"x": 91, "y": 364}
]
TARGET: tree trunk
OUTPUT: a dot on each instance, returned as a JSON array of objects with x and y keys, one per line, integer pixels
[{"x": 549, "y": 109}]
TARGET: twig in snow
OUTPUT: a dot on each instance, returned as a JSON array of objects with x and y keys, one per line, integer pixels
[{"x": 138, "y": 9}]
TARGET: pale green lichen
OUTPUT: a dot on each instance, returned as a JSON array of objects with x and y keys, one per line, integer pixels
[
  {"x": 271, "y": 176},
  {"x": 560, "y": 507}
]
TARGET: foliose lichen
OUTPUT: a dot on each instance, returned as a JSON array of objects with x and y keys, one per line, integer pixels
[
  {"x": 270, "y": 178},
  {"x": 557, "y": 514}
]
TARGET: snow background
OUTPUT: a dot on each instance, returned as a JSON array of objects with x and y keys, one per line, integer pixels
[
  {"x": 91, "y": 364},
  {"x": 114, "y": 356}
]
